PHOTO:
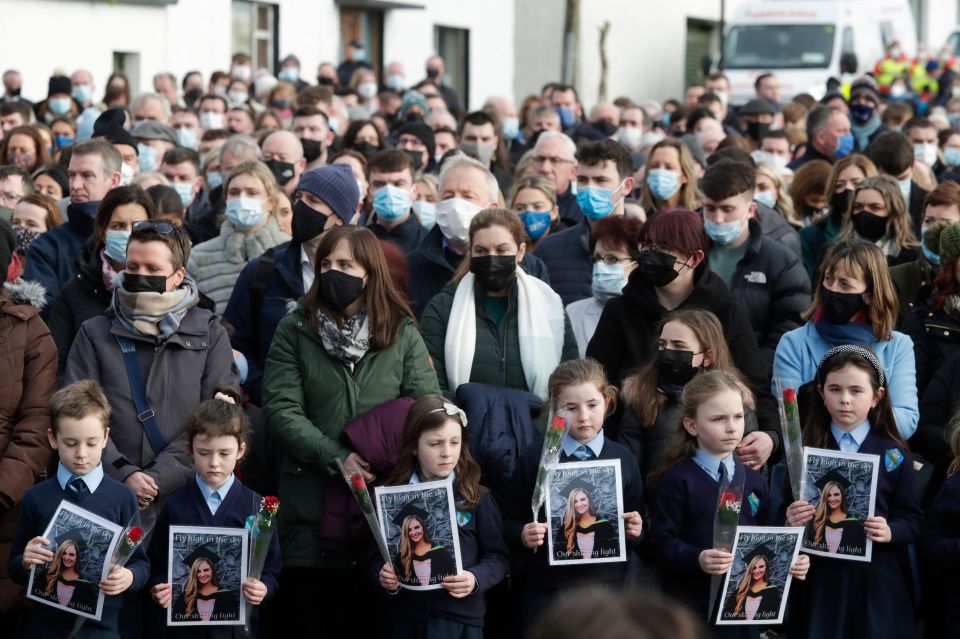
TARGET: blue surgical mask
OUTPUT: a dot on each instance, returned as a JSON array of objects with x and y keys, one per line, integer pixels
[
  {"x": 536, "y": 223},
  {"x": 395, "y": 82},
  {"x": 510, "y": 128},
  {"x": 115, "y": 245},
  {"x": 334, "y": 123},
  {"x": 289, "y": 74},
  {"x": 932, "y": 257},
  {"x": 147, "y": 156},
  {"x": 82, "y": 93},
  {"x": 359, "y": 55},
  {"x": 61, "y": 141},
  {"x": 904, "y": 188},
  {"x": 185, "y": 191},
  {"x": 608, "y": 281},
  {"x": 663, "y": 183},
  {"x": 391, "y": 203},
  {"x": 596, "y": 202},
  {"x": 427, "y": 212},
  {"x": 767, "y": 198},
  {"x": 951, "y": 155},
  {"x": 245, "y": 213},
  {"x": 568, "y": 116},
  {"x": 188, "y": 138},
  {"x": 845, "y": 147},
  {"x": 723, "y": 234},
  {"x": 214, "y": 179},
  {"x": 59, "y": 106}
]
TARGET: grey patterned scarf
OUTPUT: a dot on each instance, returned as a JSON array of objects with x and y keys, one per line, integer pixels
[
  {"x": 156, "y": 315},
  {"x": 348, "y": 344}
]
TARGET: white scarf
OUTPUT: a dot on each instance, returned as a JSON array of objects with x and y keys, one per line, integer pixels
[{"x": 541, "y": 325}]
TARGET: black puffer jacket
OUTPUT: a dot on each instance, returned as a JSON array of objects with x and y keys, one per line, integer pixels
[
  {"x": 776, "y": 228},
  {"x": 567, "y": 256},
  {"x": 773, "y": 288},
  {"x": 626, "y": 337},
  {"x": 938, "y": 403},
  {"x": 81, "y": 298},
  {"x": 936, "y": 339}
]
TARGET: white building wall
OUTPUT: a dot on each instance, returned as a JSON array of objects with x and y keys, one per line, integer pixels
[{"x": 941, "y": 19}]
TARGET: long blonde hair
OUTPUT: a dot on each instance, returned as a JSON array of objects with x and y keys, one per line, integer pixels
[
  {"x": 193, "y": 588},
  {"x": 406, "y": 548},
  {"x": 747, "y": 581},
  {"x": 259, "y": 170},
  {"x": 689, "y": 191},
  {"x": 822, "y": 512},
  {"x": 570, "y": 518},
  {"x": 55, "y": 569},
  {"x": 784, "y": 203}
]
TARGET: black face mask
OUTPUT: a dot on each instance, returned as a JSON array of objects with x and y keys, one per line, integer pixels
[
  {"x": 657, "y": 268},
  {"x": 324, "y": 81},
  {"x": 338, "y": 289},
  {"x": 365, "y": 149},
  {"x": 191, "y": 96},
  {"x": 307, "y": 222},
  {"x": 433, "y": 74},
  {"x": 134, "y": 283},
  {"x": 312, "y": 149},
  {"x": 840, "y": 202},
  {"x": 417, "y": 159},
  {"x": 869, "y": 226},
  {"x": 604, "y": 127},
  {"x": 282, "y": 171},
  {"x": 675, "y": 367},
  {"x": 757, "y": 130},
  {"x": 494, "y": 272},
  {"x": 839, "y": 308}
]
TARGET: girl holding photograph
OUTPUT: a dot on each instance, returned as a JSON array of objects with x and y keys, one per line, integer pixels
[
  {"x": 580, "y": 387},
  {"x": 853, "y": 413},
  {"x": 64, "y": 582},
  {"x": 712, "y": 413},
  {"x": 941, "y": 548},
  {"x": 755, "y": 597},
  {"x": 434, "y": 447},
  {"x": 582, "y": 534}
]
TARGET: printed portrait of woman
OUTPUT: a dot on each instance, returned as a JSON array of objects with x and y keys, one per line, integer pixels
[
  {"x": 755, "y": 597},
  {"x": 419, "y": 561},
  {"x": 203, "y": 598},
  {"x": 834, "y": 529},
  {"x": 584, "y": 534},
  {"x": 64, "y": 584}
]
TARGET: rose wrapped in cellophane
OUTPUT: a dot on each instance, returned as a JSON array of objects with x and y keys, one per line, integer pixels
[{"x": 358, "y": 486}]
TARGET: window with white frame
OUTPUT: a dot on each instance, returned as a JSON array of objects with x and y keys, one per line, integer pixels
[{"x": 254, "y": 32}]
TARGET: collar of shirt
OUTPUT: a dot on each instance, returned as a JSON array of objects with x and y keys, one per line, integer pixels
[
  {"x": 207, "y": 492},
  {"x": 710, "y": 463},
  {"x": 415, "y": 478},
  {"x": 859, "y": 433},
  {"x": 91, "y": 479},
  {"x": 306, "y": 270},
  {"x": 595, "y": 444}
]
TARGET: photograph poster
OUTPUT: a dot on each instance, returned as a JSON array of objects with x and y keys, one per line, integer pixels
[
  {"x": 842, "y": 488},
  {"x": 585, "y": 513},
  {"x": 419, "y": 524},
  {"x": 757, "y": 586},
  {"x": 207, "y": 569},
  {"x": 82, "y": 544}
]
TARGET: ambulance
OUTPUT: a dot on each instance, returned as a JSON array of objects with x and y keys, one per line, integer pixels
[{"x": 806, "y": 42}]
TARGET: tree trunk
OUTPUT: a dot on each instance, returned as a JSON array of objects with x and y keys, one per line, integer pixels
[
  {"x": 571, "y": 31},
  {"x": 602, "y": 91}
]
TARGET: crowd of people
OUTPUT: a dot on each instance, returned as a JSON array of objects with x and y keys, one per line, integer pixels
[{"x": 225, "y": 287}]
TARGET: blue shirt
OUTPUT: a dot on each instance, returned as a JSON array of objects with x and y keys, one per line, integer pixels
[
  {"x": 91, "y": 479},
  {"x": 711, "y": 464},
  {"x": 208, "y": 493},
  {"x": 858, "y": 434},
  {"x": 570, "y": 445}
]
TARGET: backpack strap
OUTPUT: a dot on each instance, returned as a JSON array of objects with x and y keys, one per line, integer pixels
[{"x": 138, "y": 390}]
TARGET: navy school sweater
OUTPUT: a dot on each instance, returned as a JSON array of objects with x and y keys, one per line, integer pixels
[
  {"x": 111, "y": 500},
  {"x": 483, "y": 552},
  {"x": 534, "y": 567},
  {"x": 941, "y": 547},
  {"x": 681, "y": 525},
  {"x": 187, "y": 507}
]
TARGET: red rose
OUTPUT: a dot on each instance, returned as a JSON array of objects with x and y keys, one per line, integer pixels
[
  {"x": 789, "y": 395},
  {"x": 559, "y": 423},
  {"x": 271, "y": 504},
  {"x": 135, "y": 534},
  {"x": 726, "y": 499},
  {"x": 357, "y": 483}
]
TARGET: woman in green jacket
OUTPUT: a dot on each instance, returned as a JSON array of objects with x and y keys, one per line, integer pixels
[
  {"x": 350, "y": 346},
  {"x": 495, "y": 324}
]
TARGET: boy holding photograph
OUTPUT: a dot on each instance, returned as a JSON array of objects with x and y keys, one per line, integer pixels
[
  {"x": 79, "y": 418},
  {"x": 217, "y": 432}
]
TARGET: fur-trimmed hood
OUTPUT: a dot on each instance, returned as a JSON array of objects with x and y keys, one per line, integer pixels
[{"x": 26, "y": 292}]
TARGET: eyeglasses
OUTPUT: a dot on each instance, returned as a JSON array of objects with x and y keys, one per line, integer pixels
[
  {"x": 610, "y": 259},
  {"x": 543, "y": 159},
  {"x": 163, "y": 228}
]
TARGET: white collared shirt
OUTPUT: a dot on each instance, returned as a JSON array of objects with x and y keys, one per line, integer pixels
[{"x": 91, "y": 479}]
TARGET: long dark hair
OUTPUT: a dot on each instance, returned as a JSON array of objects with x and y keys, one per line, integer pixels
[
  {"x": 816, "y": 428},
  {"x": 426, "y": 414},
  {"x": 385, "y": 305},
  {"x": 115, "y": 198}
]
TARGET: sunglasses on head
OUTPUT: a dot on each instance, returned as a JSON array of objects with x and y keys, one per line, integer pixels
[{"x": 163, "y": 228}]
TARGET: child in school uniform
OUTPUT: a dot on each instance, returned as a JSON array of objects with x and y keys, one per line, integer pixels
[
  {"x": 217, "y": 432},
  {"x": 79, "y": 418},
  {"x": 686, "y": 490},
  {"x": 940, "y": 548},
  {"x": 434, "y": 447},
  {"x": 580, "y": 387},
  {"x": 850, "y": 599}
]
